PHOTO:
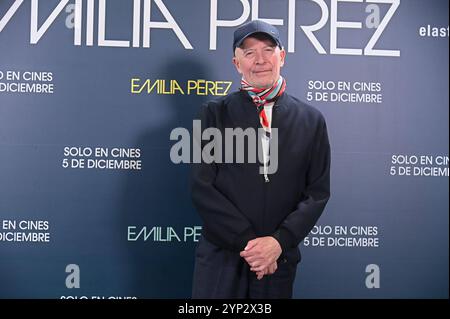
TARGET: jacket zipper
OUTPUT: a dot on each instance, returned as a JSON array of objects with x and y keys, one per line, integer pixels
[{"x": 266, "y": 177}]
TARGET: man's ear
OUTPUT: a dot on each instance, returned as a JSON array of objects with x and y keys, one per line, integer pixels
[
  {"x": 237, "y": 64},
  {"x": 283, "y": 56}
]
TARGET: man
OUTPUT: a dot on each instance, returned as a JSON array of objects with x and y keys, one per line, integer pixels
[{"x": 253, "y": 222}]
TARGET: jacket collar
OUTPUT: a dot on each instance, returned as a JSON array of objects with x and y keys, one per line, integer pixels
[{"x": 282, "y": 101}]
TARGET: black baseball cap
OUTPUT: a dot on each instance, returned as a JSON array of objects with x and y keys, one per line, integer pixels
[{"x": 252, "y": 27}]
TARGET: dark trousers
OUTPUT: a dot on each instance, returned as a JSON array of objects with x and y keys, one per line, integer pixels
[{"x": 223, "y": 274}]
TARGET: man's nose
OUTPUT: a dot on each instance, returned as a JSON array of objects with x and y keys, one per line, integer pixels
[{"x": 259, "y": 58}]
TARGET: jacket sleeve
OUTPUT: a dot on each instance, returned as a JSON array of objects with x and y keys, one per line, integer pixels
[
  {"x": 224, "y": 224},
  {"x": 299, "y": 223}
]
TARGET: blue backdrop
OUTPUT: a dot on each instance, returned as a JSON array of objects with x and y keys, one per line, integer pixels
[{"x": 91, "y": 205}]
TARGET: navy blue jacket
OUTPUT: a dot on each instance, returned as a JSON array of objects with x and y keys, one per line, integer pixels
[{"x": 234, "y": 201}]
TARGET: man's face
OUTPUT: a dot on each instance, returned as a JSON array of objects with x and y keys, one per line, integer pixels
[{"x": 259, "y": 60}]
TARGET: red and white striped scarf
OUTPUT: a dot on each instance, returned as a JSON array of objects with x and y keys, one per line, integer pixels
[{"x": 261, "y": 97}]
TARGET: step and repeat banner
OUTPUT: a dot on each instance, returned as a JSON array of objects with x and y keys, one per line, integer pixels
[{"x": 93, "y": 206}]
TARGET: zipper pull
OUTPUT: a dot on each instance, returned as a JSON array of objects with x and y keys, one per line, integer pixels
[{"x": 266, "y": 179}]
